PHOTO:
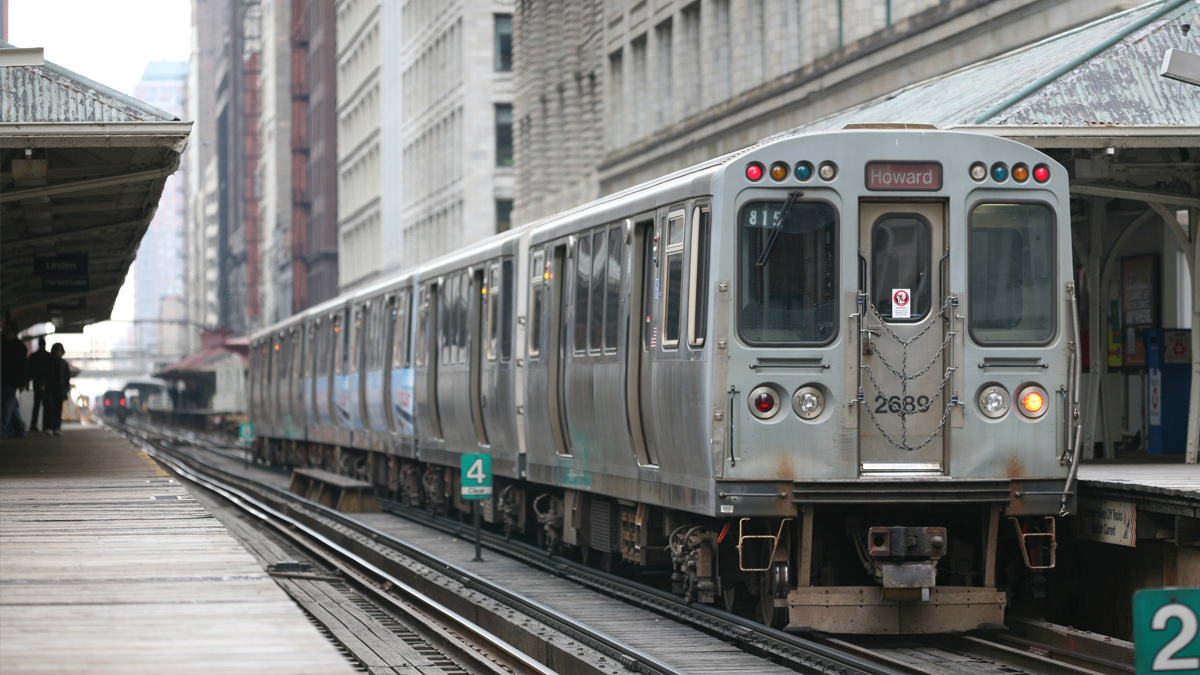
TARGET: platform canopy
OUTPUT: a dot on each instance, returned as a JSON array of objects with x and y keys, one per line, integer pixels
[{"x": 82, "y": 168}]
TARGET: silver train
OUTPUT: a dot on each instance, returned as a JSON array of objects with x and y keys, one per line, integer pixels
[{"x": 829, "y": 381}]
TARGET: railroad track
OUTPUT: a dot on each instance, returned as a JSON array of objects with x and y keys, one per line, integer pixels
[{"x": 983, "y": 652}]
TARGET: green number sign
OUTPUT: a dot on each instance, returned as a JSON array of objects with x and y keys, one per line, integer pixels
[
  {"x": 477, "y": 476},
  {"x": 1165, "y": 625},
  {"x": 246, "y": 433}
]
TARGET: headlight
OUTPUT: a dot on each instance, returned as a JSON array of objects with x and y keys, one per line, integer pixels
[
  {"x": 808, "y": 402},
  {"x": 993, "y": 401}
]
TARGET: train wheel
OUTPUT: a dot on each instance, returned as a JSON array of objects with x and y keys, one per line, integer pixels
[{"x": 773, "y": 585}]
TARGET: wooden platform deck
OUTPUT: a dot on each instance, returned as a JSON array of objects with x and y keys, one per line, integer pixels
[{"x": 107, "y": 565}]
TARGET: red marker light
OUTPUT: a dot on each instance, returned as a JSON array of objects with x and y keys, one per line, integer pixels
[
  {"x": 1041, "y": 173},
  {"x": 107, "y": 402},
  {"x": 764, "y": 402},
  {"x": 754, "y": 171},
  {"x": 122, "y": 401}
]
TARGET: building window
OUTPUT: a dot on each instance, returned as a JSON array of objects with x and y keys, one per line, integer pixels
[
  {"x": 503, "y": 215},
  {"x": 504, "y": 139},
  {"x": 504, "y": 42}
]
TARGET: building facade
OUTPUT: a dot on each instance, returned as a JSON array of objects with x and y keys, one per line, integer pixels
[
  {"x": 646, "y": 87},
  {"x": 456, "y": 161},
  {"x": 359, "y": 114},
  {"x": 158, "y": 271}
]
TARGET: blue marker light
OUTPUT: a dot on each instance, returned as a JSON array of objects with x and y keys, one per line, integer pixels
[
  {"x": 804, "y": 171},
  {"x": 999, "y": 173}
]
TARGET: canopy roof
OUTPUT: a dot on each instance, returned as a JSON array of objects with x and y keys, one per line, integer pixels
[{"x": 82, "y": 168}]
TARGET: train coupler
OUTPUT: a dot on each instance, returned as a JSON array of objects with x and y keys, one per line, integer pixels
[{"x": 906, "y": 560}]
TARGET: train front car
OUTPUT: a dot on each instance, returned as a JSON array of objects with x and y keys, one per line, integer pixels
[{"x": 892, "y": 387}]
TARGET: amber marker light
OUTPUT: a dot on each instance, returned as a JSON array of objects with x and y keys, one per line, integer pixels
[
  {"x": 779, "y": 171},
  {"x": 1033, "y": 402},
  {"x": 1020, "y": 173}
]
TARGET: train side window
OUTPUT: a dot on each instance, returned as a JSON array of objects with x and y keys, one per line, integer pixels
[
  {"x": 356, "y": 340},
  {"x": 506, "y": 309},
  {"x": 493, "y": 304},
  {"x": 612, "y": 295},
  {"x": 338, "y": 339},
  {"x": 310, "y": 354},
  {"x": 297, "y": 352},
  {"x": 423, "y": 326},
  {"x": 900, "y": 258},
  {"x": 583, "y": 271},
  {"x": 400, "y": 328},
  {"x": 698, "y": 297},
  {"x": 1010, "y": 291},
  {"x": 466, "y": 287},
  {"x": 536, "y": 300},
  {"x": 650, "y": 282},
  {"x": 446, "y": 316},
  {"x": 596, "y": 303},
  {"x": 673, "y": 293}
]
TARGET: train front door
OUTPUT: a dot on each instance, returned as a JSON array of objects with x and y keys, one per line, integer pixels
[{"x": 902, "y": 422}]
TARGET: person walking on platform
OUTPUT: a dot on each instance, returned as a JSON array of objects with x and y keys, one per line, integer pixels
[
  {"x": 58, "y": 385},
  {"x": 15, "y": 376},
  {"x": 38, "y": 362}
]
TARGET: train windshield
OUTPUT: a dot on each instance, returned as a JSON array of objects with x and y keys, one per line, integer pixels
[
  {"x": 1011, "y": 292},
  {"x": 788, "y": 271}
]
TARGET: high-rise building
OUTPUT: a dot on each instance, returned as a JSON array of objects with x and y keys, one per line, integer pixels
[
  {"x": 611, "y": 93},
  {"x": 455, "y": 122},
  {"x": 262, "y": 230},
  {"x": 158, "y": 271},
  {"x": 359, "y": 114}
]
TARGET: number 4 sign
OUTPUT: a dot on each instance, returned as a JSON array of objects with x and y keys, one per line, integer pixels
[
  {"x": 1165, "y": 624},
  {"x": 477, "y": 476}
]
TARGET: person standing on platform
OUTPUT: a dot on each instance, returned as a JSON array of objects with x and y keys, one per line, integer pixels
[
  {"x": 15, "y": 376},
  {"x": 58, "y": 385},
  {"x": 38, "y": 362}
]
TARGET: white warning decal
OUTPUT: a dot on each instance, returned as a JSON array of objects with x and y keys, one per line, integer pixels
[{"x": 901, "y": 303}]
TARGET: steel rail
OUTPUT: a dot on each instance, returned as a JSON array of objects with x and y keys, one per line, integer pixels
[
  {"x": 367, "y": 577},
  {"x": 628, "y": 656}
]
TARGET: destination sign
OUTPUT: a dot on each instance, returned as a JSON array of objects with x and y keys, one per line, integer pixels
[{"x": 904, "y": 176}]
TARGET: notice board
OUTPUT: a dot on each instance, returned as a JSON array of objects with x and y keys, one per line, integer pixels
[{"x": 1139, "y": 305}]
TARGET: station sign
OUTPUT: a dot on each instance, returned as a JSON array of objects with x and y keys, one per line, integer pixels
[
  {"x": 61, "y": 265},
  {"x": 923, "y": 176},
  {"x": 246, "y": 433},
  {"x": 1166, "y": 623},
  {"x": 67, "y": 305},
  {"x": 66, "y": 284},
  {"x": 1107, "y": 521},
  {"x": 477, "y": 476}
]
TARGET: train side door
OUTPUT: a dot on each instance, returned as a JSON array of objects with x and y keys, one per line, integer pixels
[
  {"x": 556, "y": 307},
  {"x": 428, "y": 349},
  {"x": 902, "y": 422},
  {"x": 642, "y": 339},
  {"x": 475, "y": 309}
]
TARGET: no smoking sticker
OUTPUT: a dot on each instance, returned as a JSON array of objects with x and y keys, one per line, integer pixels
[{"x": 901, "y": 303}]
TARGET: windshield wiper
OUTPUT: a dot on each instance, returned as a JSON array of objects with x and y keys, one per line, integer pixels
[{"x": 778, "y": 227}]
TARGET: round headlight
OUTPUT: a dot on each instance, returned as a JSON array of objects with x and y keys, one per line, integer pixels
[
  {"x": 808, "y": 402},
  {"x": 993, "y": 401},
  {"x": 978, "y": 171},
  {"x": 827, "y": 171}
]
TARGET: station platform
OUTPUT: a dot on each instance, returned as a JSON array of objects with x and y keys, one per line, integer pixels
[
  {"x": 108, "y": 565},
  {"x": 1166, "y": 485}
]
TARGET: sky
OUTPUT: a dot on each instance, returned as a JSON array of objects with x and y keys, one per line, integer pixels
[{"x": 109, "y": 41}]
